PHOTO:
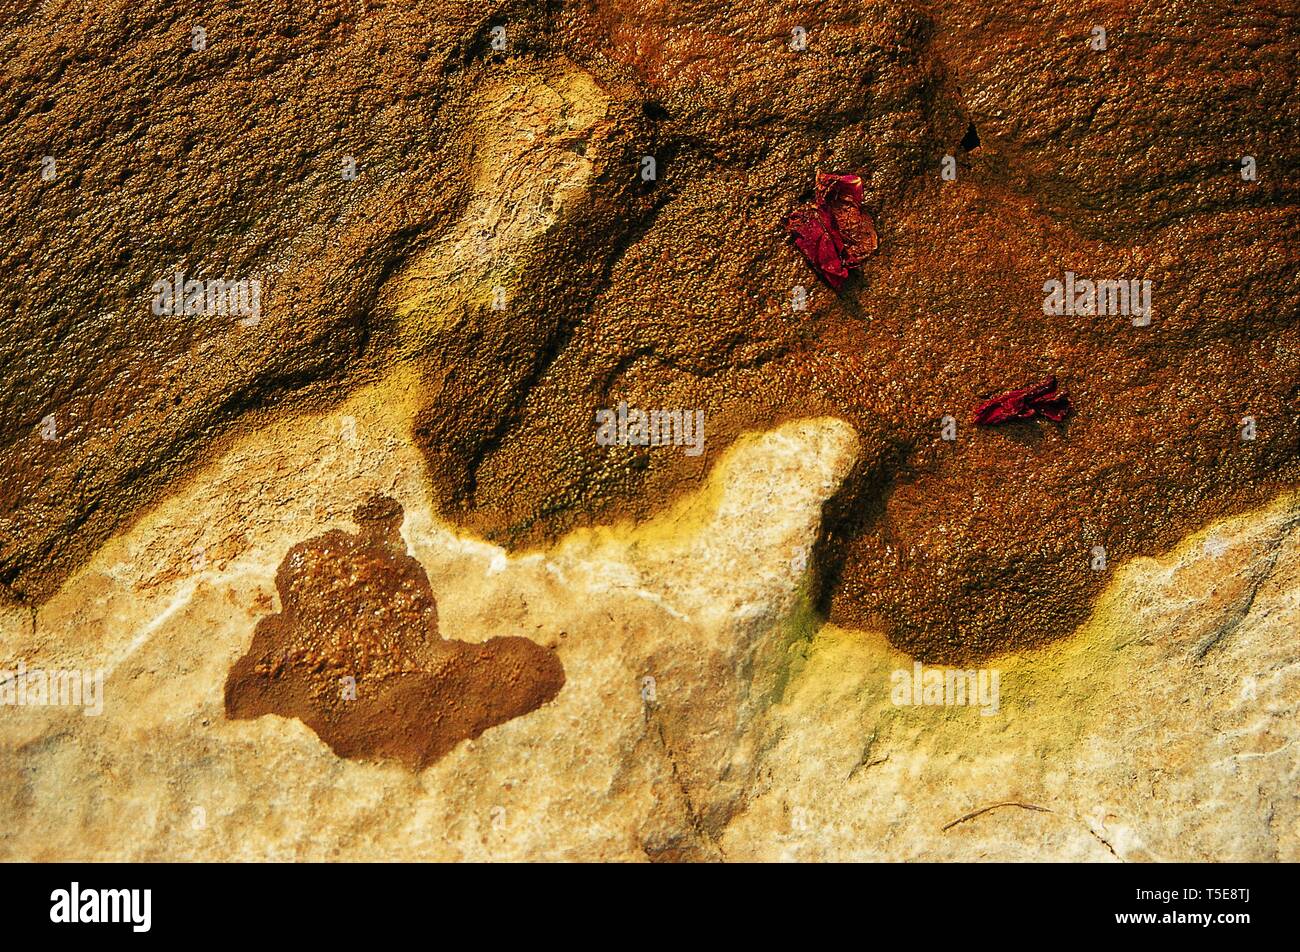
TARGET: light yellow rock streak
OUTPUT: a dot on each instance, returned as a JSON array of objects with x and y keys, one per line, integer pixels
[{"x": 529, "y": 167}]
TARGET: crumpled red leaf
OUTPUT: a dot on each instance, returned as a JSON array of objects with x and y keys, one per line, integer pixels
[
  {"x": 1042, "y": 399},
  {"x": 833, "y": 233}
]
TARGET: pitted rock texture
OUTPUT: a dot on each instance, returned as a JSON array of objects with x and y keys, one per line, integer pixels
[
  {"x": 1120, "y": 163},
  {"x": 234, "y": 161},
  {"x": 965, "y": 548},
  {"x": 355, "y": 653}
]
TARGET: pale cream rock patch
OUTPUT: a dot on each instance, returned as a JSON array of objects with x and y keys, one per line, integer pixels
[
  {"x": 529, "y": 168},
  {"x": 1164, "y": 729}
]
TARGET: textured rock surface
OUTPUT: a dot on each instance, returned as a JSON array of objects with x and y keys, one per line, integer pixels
[
  {"x": 518, "y": 171},
  {"x": 355, "y": 653},
  {"x": 232, "y": 162},
  {"x": 1164, "y": 729},
  {"x": 441, "y": 328}
]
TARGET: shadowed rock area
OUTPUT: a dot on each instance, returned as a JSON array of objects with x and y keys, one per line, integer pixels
[
  {"x": 518, "y": 169},
  {"x": 355, "y": 653}
]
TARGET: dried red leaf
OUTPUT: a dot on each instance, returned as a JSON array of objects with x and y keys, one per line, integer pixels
[
  {"x": 841, "y": 196},
  {"x": 1041, "y": 399},
  {"x": 816, "y": 236},
  {"x": 833, "y": 233}
]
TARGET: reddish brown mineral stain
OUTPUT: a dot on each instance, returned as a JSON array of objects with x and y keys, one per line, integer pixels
[
  {"x": 355, "y": 653},
  {"x": 1120, "y": 164}
]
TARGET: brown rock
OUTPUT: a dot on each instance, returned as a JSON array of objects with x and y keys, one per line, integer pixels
[
  {"x": 1120, "y": 163},
  {"x": 355, "y": 653}
]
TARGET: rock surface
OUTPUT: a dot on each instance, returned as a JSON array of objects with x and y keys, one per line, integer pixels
[
  {"x": 1163, "y": 729},
  {"x": 502, "y": 238},
  {"x": 356, "y": 655},
  {"x": 468, "y": 242}
]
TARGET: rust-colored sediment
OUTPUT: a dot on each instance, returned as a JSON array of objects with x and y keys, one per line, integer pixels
[
  {"x": 1114, "y": 165},
  {"x": 674, "y": 293},
  {"x": 355, "y": 653}
]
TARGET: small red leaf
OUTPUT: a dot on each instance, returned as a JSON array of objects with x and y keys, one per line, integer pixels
[
  {"x": 834, "y": 234},
  {"x": 1041, "y": 399}
]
